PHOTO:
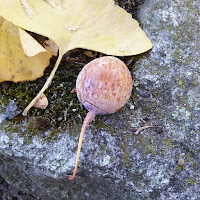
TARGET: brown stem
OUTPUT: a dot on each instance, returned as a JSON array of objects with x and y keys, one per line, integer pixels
[
  {"x": 89, "y": 117},
  {"x": 46, "y": 85}
]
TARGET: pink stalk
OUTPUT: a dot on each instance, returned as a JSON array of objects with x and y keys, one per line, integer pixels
[{"x": 89, "y": 117}]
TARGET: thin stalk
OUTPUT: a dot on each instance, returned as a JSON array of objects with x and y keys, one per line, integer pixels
[
  {"x": 46, "y": 85},
  {"x": 89, "y": 117}
]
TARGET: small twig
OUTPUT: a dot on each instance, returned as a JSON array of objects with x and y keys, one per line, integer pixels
[
  {"x": 145, "y": 127},
  {"x": 80, "y": 63},
  {"x": 65, "y": 115},
  {"x": 129, "y": 61},
  {"x": 72, "y": 59}
]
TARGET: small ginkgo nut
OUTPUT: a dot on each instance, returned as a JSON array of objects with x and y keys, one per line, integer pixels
[
  {"x": 42, "y": 102},
  {"x": 181, "y": 162},
  {"x": 104, "y": 85}
]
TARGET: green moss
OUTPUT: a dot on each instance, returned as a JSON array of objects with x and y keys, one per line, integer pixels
[
  {"x": 51, "y": 135},
  {"x": 38, "y": 124},
  {"x": 123, "y": 146},
  {"x": 78, "y": 128},
  {"x": 195, "y": 164},
  {"x": 145, "y": 145},
  {"x": 122, "y": 184},
  {"x": 126, "y": 157},
  {"x": 192, "y": 151},
  {"x": 176, "y": 55},
  {"x": 12, "y": 128},
  {"x": 150, "y": 149},
  {"x": 58, "y": 94},
  {"x": 179, "y": 168},
  {"x": 64, "y": 110},
  {"x": 10, "y": 136},
  {"x": 191, "y": 181},
  {"x": 189, "y": 157},
  {"x": 187, "y": 60},
  {"x": 189, "y": 4},
  {"x": 177, "y": 156},
  {"x": 180, "y": 82},
  {"x": 168, "y": 142},
  {"x": 99, "y": 123},
  {"x": 111, "y": 159},
  {"x": 163, "y": 152},
  {"x": 102, "y": 147}
]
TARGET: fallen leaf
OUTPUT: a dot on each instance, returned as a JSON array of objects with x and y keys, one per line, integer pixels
[
  {"x": 98, "y": 25},
  {"x": 30, "y": 45},
  {"x": 91, "y": 24},
  {"x": 15, "y": 65}
]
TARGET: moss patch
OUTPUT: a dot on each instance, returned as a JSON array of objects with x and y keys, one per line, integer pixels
[
  {"x": 126, "y": 157},
  {"x": 179, "y": 168},
  {"x": 64, "y": 109},
  {"x": 191, "y": 181},
  {"x": 145, "y": 145},
  {"x": 168, "y": 142}
]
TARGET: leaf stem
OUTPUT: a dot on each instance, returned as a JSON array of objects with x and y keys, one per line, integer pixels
[
  {"x": 46, "y": 85},
  {"x": 89, "y": 117}
]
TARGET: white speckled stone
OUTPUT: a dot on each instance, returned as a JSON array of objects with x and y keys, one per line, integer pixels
[{"x": 115, "y": 163}]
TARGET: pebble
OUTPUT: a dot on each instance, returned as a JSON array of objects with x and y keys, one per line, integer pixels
[
  {"x": 181, "y": 162},
  {"x": 12, "y": 110}
]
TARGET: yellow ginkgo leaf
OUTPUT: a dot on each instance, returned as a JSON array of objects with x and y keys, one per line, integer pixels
[
  {"x": 98, "y": 25},
  {"x": 30, "y": 45},
  {"x": 92, "y": 24},
  {"x": 15, "y": 65}
]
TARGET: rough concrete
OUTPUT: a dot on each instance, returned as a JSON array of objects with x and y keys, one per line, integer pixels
[{"x": 115, "y": 163}]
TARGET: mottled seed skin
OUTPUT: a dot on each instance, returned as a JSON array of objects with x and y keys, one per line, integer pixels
[{"x": 104, "y": 85}]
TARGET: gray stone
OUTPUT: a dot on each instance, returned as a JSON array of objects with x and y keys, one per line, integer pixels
[
  {"x": 115, "y": 163},
  {"x": 12, "y": 110}
]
